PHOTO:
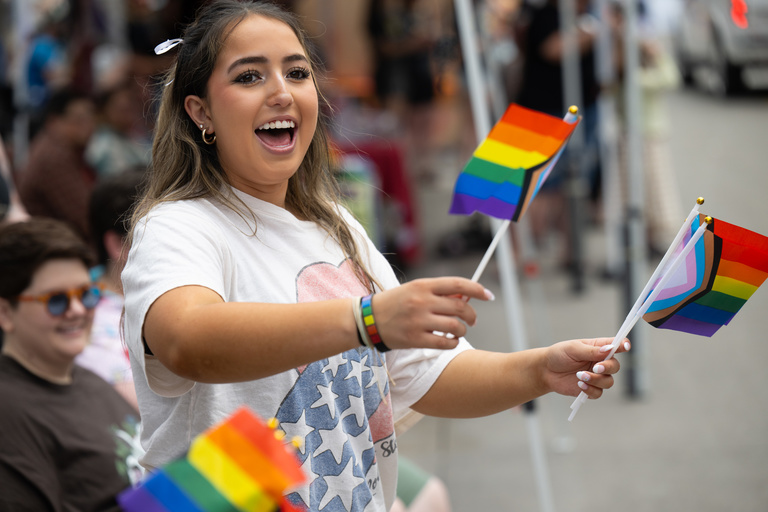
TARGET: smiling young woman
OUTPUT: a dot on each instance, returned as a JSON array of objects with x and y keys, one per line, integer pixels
[{"x": 247, "y": 283}]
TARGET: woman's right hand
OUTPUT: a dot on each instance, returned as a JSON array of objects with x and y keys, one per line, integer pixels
[{"x": 408, "y": 316}]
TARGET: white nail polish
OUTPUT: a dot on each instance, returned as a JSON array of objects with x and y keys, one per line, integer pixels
[
  {"x": 582, "y": 376},
  {"x": 489, "y": 295},
  {"x": 583, "y": 385},
  {"x": 605, "y": 348},
  {"x": 598, "y": 368},
  {"x": 626, "y": 345}
]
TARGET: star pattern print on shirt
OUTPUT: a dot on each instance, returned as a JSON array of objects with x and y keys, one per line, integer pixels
[
  {"x": 337, "y": 411},
  {"x": 336, "y": 408}
]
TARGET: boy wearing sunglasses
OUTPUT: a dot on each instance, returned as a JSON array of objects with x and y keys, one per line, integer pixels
[{"x": 69, "y": 440}]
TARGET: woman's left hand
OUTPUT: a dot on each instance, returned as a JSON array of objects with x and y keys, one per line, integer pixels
[{"x": 578, "y": 365}]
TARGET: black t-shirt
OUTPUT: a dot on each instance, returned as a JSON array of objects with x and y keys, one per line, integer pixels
[
  {"x": 64, "y": 448},
  {"x": 542, "y": 82}
]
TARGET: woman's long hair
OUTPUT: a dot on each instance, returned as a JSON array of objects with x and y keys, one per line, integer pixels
[{"x": 183, "y": 167}]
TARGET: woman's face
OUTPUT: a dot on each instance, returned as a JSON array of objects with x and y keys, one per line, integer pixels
[
  {"x": 262, "y": 105},
  {"x": 50, "y": 341}
]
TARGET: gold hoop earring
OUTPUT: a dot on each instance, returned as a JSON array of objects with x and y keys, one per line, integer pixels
[{"x": 207, "y": 140}]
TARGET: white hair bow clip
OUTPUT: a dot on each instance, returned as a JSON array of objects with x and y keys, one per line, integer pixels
[{"x": 167, "y": 45}]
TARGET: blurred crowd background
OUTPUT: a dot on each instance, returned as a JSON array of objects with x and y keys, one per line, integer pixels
[{"x": 79, "y": 79}]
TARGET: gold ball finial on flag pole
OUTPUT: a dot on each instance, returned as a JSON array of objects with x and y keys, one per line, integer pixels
[
  {"x": 573, "y": 109},
  {"x": 708, "y": 219},
  {"x": 700, "y": 200}
]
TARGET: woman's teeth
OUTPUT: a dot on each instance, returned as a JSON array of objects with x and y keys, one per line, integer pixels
[{"x": 277, "y": 124}]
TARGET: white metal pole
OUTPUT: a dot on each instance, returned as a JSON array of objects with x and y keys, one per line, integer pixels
[{"x": 509, "y": 286}]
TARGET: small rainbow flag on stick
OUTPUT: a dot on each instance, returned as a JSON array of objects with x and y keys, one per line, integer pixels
[
  {"x": 509, "y": 167},
  {"x": 701, "y": 283},
  {"x": 713, "y": 282},
  {"x": 236, "y": 466}
]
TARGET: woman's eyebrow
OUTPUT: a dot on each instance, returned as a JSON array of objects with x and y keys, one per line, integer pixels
[
  {"x": 258, "y": 59},
  {"x": 296, "y": 57},
  {"x": 247, "y": 60}
]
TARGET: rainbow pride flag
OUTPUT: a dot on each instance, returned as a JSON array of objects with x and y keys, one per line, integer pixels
[
  {"x": 726, "y": 266},
  {"x": 236, "y": 466},
  {"x": 509, "y": 167}
]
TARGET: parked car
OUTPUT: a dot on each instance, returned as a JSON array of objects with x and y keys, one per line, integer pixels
[{"x": 726, "y": 36}]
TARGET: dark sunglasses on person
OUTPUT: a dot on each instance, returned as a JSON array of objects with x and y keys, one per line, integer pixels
[{"x": 58, "y": 302}]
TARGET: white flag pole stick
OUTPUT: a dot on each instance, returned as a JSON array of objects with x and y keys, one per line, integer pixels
[
  {"x": 631, "y": 318},
  {"x": 659, "y": 269},
  {"x": 489, "y": 252},
  {"x": 631, "y": 321},
  {"x": 570, "y": 117},
  {"x": 667, "y": 256}
]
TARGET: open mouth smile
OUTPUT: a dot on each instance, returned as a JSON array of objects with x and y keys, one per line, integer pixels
[{"x": 277, "y": 135}]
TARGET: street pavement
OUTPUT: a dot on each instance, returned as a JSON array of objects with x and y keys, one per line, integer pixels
[{"x": 696, "y": 437}]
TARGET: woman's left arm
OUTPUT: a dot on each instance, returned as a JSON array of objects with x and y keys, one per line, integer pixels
[{"x": 478, "y": 383}]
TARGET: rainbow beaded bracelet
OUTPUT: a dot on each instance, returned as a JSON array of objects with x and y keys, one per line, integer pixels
[{"x": 370, "y": 324}]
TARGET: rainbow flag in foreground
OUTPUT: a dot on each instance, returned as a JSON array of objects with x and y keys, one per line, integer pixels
[
  {"x": 509, "y": 167},
  {"x": 722, "y": 271},
  {"x": 238, "y": 465}
]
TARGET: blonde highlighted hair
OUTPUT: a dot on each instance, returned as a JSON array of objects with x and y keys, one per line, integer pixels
[{"x": 184, "y": 167}]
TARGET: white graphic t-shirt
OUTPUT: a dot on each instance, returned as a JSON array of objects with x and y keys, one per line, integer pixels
[{"x": 334, "y": 406}]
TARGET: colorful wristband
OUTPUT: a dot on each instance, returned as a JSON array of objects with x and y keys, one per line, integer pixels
[
  {"x": 370, "y": 324},
  {"x": 358, "y": 316}
]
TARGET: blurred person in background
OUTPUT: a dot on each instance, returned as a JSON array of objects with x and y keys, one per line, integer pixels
[
  {"x": 402, "y": 42},
  {"x": 418, "y": 490},
  {"x": 542, "y": 44},
  {"x": 110, "y": 207},
  {"x": 542, "y": 41},
  {"x": 70, "y": 442},
  {"x": 498, "y": 20},
  {"x": 403, "y": 37},
  {"x": 114, "y": 146},
  {"x": 657, "y": 75},
  {"x": 57, "y": 181},
  {"x": 48, "y": 67}
]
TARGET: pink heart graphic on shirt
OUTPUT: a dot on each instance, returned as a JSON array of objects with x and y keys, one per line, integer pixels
[{"x": 324, "y": 281}]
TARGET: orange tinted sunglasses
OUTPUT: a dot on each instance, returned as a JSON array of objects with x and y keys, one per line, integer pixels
[{"x": 57, "y": 303}]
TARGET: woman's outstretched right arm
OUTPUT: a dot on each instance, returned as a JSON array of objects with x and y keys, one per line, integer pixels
[{"x": 197, "y": 335}]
